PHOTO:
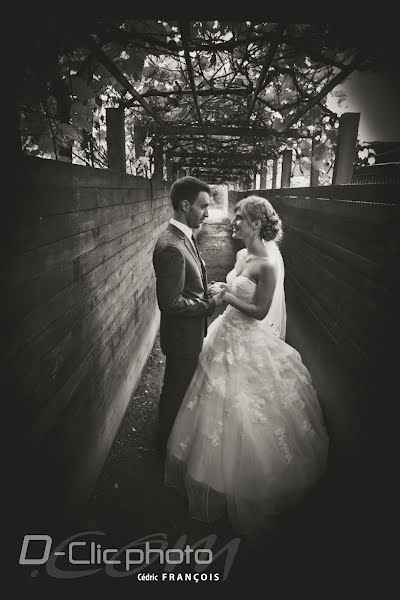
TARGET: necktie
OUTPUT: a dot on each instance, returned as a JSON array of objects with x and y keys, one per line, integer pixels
[{"x": 203, "y": 271}]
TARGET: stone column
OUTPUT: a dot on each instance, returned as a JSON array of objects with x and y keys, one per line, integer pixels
[
  {"x": 346, "y": 148},
  {"x": 247, "y": 180},
  {"x": 139, "y": 135},
  {"x": 274, "y": 172},
  {"x": 169, "y": 165},
  {"x": 286, "y": 168},
  {"x": 263, "y": 175},
  {"x": 314, "y": 172},
  {"x": 158, "y": 158},
  {"x": 174, "y": 171},
  {"x": 181, "y": 172},
  {"x": 115, "y": 122}
]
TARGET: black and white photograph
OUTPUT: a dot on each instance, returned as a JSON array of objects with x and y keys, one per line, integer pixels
[{"x": 200, "y": 303}]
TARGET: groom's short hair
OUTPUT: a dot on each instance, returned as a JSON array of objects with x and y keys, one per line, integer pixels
[{"x": 187, "y": 188}]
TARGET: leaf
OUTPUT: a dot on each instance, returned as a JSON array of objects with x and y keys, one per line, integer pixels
[
  {"x": 81, "y": 115},
  {"x": 149, "y": 71},
  {"x": 134, "y": 64},
  {"x": 69, "y": 131},
  {"x": 154, "y": 28},
  {"x": 46, "y": 144},
  {"x": 81, "y": 89},
  {"x": 203, "y": 62},
  {"x": 278, "y": 125},
  {"x": 33, "y": 122}
]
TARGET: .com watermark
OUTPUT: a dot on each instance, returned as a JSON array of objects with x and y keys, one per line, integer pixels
[{"x": 68, "y": 558}]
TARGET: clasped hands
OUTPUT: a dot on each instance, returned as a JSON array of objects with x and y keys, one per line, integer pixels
[{"x": 217, "y": 290}]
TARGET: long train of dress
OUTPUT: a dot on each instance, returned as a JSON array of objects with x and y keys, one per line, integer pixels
[{"x": 249, "y": 438}]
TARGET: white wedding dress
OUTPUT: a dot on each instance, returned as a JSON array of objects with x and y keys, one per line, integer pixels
[{"x": 249, "y": 438}]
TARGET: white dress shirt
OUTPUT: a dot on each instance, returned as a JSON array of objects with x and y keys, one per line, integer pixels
[{"x": 186, "y": 230}]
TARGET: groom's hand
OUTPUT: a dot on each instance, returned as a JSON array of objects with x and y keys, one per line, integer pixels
[
  {"x": 219, "y": 298},
  {"x": 216, "y": 286}
]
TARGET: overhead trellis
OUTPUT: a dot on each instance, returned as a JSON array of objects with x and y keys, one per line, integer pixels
[{"x": 218, "y": 97}]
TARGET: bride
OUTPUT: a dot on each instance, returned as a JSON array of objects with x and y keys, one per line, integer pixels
[{"x": 249, "y": 438}]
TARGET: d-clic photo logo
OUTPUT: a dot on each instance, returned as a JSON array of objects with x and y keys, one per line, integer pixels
[{"x": 149, "y": 558}]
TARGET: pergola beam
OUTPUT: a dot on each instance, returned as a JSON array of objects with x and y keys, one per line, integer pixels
[
  {"x": 199, "y": 154},
  {"x": 358, "y": 58},
  {"x": 189, "y": 145},
  {"x": 217, "y": 170},
  {"x": 229, "y": 131},
  {"x": 276, "y": 40},
  {"x": 222, "y": 159},
  {"x": 200, "y": 92},
  {"x": 184, "y": 30},
  {"x": 218, "y": 158},
  {"x": 219, "y": 173},
  {"x": 239, "y": 167},
  {"x": 220, "y": 181},
  {"x": 120, "y": 77},
  {"x": 222, "y": 165}
]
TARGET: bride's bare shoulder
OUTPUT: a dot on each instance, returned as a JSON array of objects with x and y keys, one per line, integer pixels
[{"x": 241, "y": 253}]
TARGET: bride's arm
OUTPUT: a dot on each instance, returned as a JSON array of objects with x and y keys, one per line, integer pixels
[{"x": 263, "y": 296}]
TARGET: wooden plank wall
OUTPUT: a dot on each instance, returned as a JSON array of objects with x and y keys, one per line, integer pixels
[
  {"x": 81, "y": 310},
  {"x": 341, "y": 252}
]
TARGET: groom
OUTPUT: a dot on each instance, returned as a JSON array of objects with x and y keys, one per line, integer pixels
[{"x": 183, "y": 295}]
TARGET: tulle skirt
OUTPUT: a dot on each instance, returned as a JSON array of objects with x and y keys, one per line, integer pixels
[{"x": 249, "y": 439}]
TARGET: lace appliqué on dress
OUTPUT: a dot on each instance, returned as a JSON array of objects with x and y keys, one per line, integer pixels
[
  {"x": 215, "y": 435},
  {"x": 281, "y": 436}
]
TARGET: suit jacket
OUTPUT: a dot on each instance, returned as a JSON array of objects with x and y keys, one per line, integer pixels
[{"x": 181, "y": 285}]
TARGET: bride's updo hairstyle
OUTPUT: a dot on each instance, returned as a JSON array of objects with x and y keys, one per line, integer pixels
[{"x": 257, "y": 208}]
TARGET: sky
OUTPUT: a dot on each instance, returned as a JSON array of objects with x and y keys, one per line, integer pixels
[{"x": 376, "y": 96}]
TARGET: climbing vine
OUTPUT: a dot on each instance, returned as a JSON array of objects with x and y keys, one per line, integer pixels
[{"x": 245, "y": 74}]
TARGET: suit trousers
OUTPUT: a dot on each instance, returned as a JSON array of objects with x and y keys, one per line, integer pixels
[{"x": 177, "y": 377}]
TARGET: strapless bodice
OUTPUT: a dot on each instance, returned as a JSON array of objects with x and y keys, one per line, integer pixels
[{"x": 240, "y": 285}]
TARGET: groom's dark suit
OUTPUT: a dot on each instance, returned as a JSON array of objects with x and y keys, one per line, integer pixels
[{"x": 181, "y": 284}]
